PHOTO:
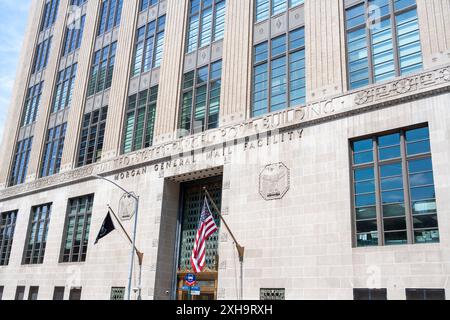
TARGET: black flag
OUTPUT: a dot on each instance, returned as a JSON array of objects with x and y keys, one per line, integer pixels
[{"x": 107, "y": 228}]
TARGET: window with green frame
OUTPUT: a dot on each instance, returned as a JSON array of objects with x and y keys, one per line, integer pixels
[
  {"x": 140, "y": 120},
  {"x": 200, "y": 104}
]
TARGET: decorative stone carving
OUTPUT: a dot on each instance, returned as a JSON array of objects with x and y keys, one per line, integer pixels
[{"x": 274, "y": 181}]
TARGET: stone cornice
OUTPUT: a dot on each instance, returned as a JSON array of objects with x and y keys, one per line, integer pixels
[{"x": 400, "y": 90}]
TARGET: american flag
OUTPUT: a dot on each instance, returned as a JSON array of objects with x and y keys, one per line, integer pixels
[{"x": 206, "y": 228}]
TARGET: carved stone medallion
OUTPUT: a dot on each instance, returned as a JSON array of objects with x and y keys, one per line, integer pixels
[{"x": 274, "y": 181}]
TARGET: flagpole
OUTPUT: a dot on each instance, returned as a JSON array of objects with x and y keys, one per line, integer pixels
[
  {"x": 240, "y": 249},
  {"x": 138, "y": 253},
  {"x": 136, "y": 208}
]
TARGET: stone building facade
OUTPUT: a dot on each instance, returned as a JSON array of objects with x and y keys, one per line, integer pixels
[{"x": 319, "y": 127}]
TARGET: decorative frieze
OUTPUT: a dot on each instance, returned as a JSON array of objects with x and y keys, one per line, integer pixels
[{"x": 280, "y": 126}]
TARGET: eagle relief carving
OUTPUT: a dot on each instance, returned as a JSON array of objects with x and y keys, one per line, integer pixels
[{"x": 274, "y": 181}]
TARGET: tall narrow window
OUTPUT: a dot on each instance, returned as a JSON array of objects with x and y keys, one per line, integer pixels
[
  {"x": 32, "y": 103},
  {"x": 41, "y": 55},
  {"x": 37, "y": 234},
  {"x": 393, "y": 187},
  {"x": 110, "y": 13},
  {"x": 279, "y": 73},
  {"x": 149, "y": 46},
  {"x": 20, "y": 163},
  {"x": 64, "y": 88},
  {"x": 201, "y": 99},
  {"x": 92, "y": 135},
  {"x": 77, "y": 2},
  {"x": 7, "y": 228},
  {"x": 58, "y": 293},
  {"x": 54, "y": 145},
  {"x": 140, "y": 120},
  {"x": 117, "y": 293},
  {"x": 102, "y": 69},
  {"x": 147, "y": 3},
  {"x": 206, "y": 23},
  {"x": 266, "y": 8},
  {"x": 78, "y": 224},
  {"x": 33, "y": 293},
  {"x": 74, "y": 35},
  {"x": 75, "y": 294},
  {"x": 50, "y": 14},
  {"x": 20, "y": 293},
  {"x": 387, "y": 47}
]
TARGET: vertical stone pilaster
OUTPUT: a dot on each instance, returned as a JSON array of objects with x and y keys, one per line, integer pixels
[
  {"x": 171, "y": 71},
  {"x": 121, "y": 78},
  {"x": 237, "y": 65},
  {"x": 80, "y": 87},
  {"x": 434, "y": 31},
  {"x": 325, "y": 48}
]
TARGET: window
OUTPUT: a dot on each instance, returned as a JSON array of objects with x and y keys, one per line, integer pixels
[
  {"x": 279, "y": 73},
  {"x": 53, "y": 150},
  {"x": 20, "y": 163},
  {"x": 75, "y": 294},
  {"x": 149, "y": 46},
  {"x": 32, "y": 103},
  {"x": 117, "y": 293},
  {"x": 77, "y": 2},
  {"x": 58, "y": 293},
  {"x": 369, "y": 294},
  {"x": 393, "y": 187},
  {"x": 140, "y": 120},
  {"x": 78, "y": 223},
  {"x": 110, "y": 13},
  {"x": 201, "y": 99},
  {"x": 50, "y": 14},
  {"x": 102, "y": 69},
  {"x": 37, "y": 234},
  {"x": 33, "y": 293},
  {"x": 389, "y": 48},
  {"x": 7, "y": 226},
  {"x": 266, "y": 8},
  {"x": 147, "y": 3},
  {"x": 425, "y": 294},
  {"x": 64, "y": 88},
  {"x": 206, "y": 23},
  {"x": 20, "y": 293},
  {"x": 272, "y": 294},
  {"x": 92, "y": 135},
  {"x": 41, "y": 55},
  {"x": 74, "y": 35},
  {"x": 1, "y": 292}
]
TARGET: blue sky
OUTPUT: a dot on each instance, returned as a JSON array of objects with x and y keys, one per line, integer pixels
[{"x": 13, "y": 19}]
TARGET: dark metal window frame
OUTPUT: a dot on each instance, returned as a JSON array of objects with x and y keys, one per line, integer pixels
[
  {"x": 369, "y": 294},
  {"x": 107, "y": 18},
  {"x": 395, "y": 48},
  {"x": 99, "y": 136},
  {"x": 424, "y": 293},
  {"x": 149, "y": 104},
  {"x": 33, "y": 96},
  {"x": 53, "y": 142},
  {"x": 33, "y": 293},
  {"x": 117, "y": 293},
  {"x": 94, "y": 82},
  {"x": 73, "y": 37},
  {"x": 202, "y": 8},
  {"x": 209, "y": 82},
  {"x": 7, "y": 220},
  {"x": 289, "y": 6},
  {"x": 67, "y": 75},
  {"x": 49, "y": 14},
  {"x": 44, "y": 221},
  {"x": 20, "y": 293},
  {"x": 158, "y": 30},
  {"x": 58, "y": 293},
  {"x": 268, "y": 61},
  {"x": 41, "y": 55},
  {"x": 20, "y": 161},
  {"x": 376, "y": 164},
  {"x": 89, "y": 203}
]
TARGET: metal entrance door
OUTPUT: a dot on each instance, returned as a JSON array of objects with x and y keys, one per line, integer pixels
[{"x": 193, "y": 197}]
